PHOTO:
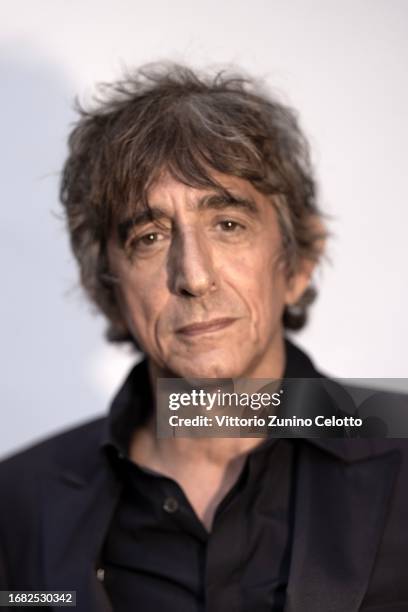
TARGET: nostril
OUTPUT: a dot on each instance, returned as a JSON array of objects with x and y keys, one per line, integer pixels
[{"x": 186, "y": 293}]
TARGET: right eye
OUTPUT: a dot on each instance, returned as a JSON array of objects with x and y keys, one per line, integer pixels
[
  {"x": 145, "y": 243},
  {"x": 149, "y": 239}
]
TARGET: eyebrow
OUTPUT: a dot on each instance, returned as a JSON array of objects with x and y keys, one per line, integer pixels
[{"x": 207, "y": 202}]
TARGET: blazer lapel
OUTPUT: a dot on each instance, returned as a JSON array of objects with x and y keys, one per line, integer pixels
[
  {"x": 76, "y": 515},
  {"x": 341, "y": 505}
]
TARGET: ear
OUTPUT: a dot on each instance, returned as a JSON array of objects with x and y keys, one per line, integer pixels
[
  {"x": 299, "y": 281},
  {"x": 300, "y": 278}
]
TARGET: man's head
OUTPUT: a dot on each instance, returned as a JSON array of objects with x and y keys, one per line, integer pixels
[{"x": 190, "y": 199}]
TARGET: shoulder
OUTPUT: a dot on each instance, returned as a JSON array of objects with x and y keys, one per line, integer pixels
[
  {"x": 33, "y": 480},
  {"x": 68, "y": 449}
]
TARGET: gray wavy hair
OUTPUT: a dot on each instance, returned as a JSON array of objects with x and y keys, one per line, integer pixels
[{"x": 167, "y": 116}]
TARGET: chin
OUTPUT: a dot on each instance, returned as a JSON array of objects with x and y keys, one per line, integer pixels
[{"x": 208, "y": 367}]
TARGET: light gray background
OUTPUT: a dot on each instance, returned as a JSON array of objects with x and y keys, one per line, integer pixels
[{"x": 343, "y": 65}]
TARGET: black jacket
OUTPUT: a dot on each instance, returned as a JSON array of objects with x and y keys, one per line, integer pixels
[{"x": 350, "y": 548}]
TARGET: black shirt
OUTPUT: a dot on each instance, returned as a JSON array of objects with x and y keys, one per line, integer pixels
[{"x": 159, "y": 556}]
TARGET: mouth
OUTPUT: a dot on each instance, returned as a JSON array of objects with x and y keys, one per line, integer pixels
[{"x": 207, "y": 327}]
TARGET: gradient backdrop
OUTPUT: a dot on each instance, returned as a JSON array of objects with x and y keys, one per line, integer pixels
[{"x": 342, "y": 65}]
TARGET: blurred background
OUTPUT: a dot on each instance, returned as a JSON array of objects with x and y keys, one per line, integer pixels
[{"x": 342, "y": 65}]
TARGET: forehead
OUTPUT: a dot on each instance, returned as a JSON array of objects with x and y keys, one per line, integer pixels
[
  {"x": 171, "y": 198},
  {"x": 167, "y": 187},
  {"x": 167, "y": 194}
]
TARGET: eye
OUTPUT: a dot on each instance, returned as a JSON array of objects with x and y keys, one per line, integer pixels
[
  {"x": 149, "y": 239},
  {"x": 230, "y": 226},
  {"x": 143, "y": 244}
]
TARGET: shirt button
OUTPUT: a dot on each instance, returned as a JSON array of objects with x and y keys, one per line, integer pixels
[
  {"x": 170, "y": 505},
  {"x": 100, "y": 574}
]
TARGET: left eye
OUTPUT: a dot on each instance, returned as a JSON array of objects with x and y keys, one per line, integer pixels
[{"x": 229, "y": 226}]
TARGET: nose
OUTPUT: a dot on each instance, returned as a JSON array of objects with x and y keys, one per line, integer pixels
[{"x": 191, "y": 269}]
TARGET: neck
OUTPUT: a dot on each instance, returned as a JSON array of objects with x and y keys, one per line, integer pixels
[{"x": 216, "y": 452}]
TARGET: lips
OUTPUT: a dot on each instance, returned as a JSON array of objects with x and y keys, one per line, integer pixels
[{"x": 205, "y": 327}]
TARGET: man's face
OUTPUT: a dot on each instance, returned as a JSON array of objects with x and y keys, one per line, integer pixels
[{"x": 202, "y": 287}]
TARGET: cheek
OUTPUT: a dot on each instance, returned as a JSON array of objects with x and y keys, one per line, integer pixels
[
  {"x": 141, "y": 301},
  {"x": 260, "y": 281}
]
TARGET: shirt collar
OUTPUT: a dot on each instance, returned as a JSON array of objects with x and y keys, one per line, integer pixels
[{"x": 129, "y": 409}]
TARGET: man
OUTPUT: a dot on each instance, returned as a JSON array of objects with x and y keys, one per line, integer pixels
[{"x": 192, "y": 213}]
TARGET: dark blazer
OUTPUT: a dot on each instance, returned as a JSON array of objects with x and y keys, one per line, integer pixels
[{"x": 350, "y": 549}]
